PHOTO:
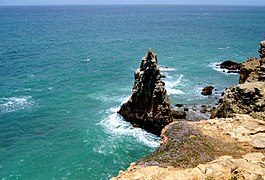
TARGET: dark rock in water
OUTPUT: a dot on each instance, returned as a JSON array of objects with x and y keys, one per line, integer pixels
[
  {"x": 233, "y": 71},
  {"x": 179, "y": 105},
  {"x": 208, "y": 90},
  {"x": 148, "y": 106},
  {"x": 203, "y": 110},
  {"x": 178, "y": 114},
  {"x": 163, "y": 76},
  {"x": 186, "y": 109},
  {"x": 230, "y": 65}
]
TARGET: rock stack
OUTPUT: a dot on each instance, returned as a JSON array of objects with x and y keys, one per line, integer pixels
[
  {"x": 249, "y": 96},
  {"x": 148, "y": 106}
]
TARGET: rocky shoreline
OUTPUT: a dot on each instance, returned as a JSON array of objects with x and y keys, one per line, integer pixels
[{"x": 230, "y": 145}]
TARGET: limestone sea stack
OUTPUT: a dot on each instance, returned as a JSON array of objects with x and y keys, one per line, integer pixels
[{"x": 149, "y": 106}]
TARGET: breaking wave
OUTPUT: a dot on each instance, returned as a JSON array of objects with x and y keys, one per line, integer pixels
[
  {"x": 115, "y": 124},
  {"x": 171, "y": 86},
  {"x": 15, "y": 103},
  {"x": 214, "y": 66}
]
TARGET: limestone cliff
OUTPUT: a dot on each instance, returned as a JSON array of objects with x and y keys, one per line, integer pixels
[
  {"x": 229, "y": 147},
  {"x": 226, "y": 148},
  {"x": 249, "y": 96},
  {"x": 148, "y": 106}
]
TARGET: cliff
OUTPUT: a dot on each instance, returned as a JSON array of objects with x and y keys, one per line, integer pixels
[
  {"x": 249, "y": 96},
  {"x": 225, "y": 148},
  {"x": 231, "y": 145},
  {"x": 148, "y": 106}
]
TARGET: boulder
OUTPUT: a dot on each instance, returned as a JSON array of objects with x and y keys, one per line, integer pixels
[
  {"x": 178, "y": 114},
  {"x": 148, "y": 106},
  {"x": 230, "y": 65},
  {"x": 208, "y": 90},
  {"x": 179, "y": 105}
]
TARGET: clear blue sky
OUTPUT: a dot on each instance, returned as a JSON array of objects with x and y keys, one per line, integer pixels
[{"x": 53, "y": 2}]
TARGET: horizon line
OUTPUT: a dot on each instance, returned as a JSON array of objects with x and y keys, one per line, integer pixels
[{"x": 131, "y": 5}]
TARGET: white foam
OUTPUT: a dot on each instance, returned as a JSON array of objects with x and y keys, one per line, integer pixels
[
  {"x": 172, "y": 85},
  {"x": 164, "y": 69},
  {"x": 222, "y": 48},
  {"x": 115, "y": 124},
  {"x": 86, "y": 60},
  {"x": 15, "y": 103},
  {"x": 214, "y": 66}
]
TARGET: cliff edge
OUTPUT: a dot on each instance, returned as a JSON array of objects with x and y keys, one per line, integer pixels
[{"x": 230, "y": 145}]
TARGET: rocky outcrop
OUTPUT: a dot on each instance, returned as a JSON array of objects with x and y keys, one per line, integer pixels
[
  {"x": 148, "y": 106},
  {"x": 208, "y": 90},
  {"x": 249, "y": 96},
  {"x": 231, "y": 146},
  {"x": 232, "y": 67},
  {"x": 252, "y": 70},
  {"x": 223, "y": 148},
  {"x": 250, "y": 166}
]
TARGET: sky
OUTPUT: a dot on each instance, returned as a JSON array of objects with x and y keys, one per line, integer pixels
[{"x": 68, "y": 2}]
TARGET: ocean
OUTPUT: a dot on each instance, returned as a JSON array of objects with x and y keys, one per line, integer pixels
[{"x": 65, "y": 70}]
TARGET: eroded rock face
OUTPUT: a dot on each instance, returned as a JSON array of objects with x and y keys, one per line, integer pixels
[
  {"x": 252, "y": 70},
  {"x": 226, "y": 148},
  {"x": 148, "y": 106},
  {"x": 249, "y": 96}
]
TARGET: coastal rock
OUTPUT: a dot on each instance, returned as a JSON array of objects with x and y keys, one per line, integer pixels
[
  {"x": 208, "y": 90},
  {"x": 247, "y": 98},
  {"x": 178, "y": 114},
  {"x": 209, "y": 149},
  {"x": 250, "y": 166},
  {"x": 148, "y": 106},
  {"x": 231, "y": 66},
  {"x": 251, "y": 70}
]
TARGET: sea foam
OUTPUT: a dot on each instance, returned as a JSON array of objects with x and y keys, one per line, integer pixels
[
  {"x": 15, "y": 103},
  {"x": 115, "y": 124},
  {"x": 214, "y": 66},
  {"x": 171, "y": 85}
]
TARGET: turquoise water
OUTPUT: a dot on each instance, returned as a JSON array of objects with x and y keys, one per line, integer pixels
[{"x": 65, "y": 70}]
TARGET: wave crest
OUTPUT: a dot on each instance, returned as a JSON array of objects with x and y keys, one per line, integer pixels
[
  {"x": 115, "y": 124},
  {"x": 15, "y": 103}
]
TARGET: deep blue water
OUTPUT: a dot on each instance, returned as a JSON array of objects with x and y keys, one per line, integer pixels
[{"x": 64, "y": 71}]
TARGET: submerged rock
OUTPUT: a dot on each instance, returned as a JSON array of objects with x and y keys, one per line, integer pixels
[{"x": 148, "y": 106}]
